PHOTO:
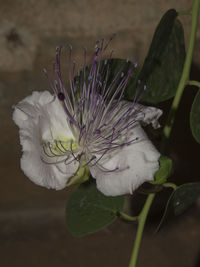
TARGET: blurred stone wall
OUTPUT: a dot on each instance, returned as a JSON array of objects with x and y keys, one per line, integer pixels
[{"x": 30, "y": 30}]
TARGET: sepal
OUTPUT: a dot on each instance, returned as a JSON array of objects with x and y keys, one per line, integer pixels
[
  {"x": 165, "y": 170},
  {"x": 81, "y": 176}
]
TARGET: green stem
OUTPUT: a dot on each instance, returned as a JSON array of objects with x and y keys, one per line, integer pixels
[
  {"x": 142, "y": 219},
  {"x": 128, "y": 217},
  {"x": 172, "y": 185},
  {"x": 195, "y": 83},
  {"x": 184, "y": 77}
]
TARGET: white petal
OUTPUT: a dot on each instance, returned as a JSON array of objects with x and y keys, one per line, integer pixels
[
  {"x": 41, "y": 117},
  {"x": 145, "y": 114},
  {"x": 57, "y": 121},
  {"x": 28, "y": 106},
  {"x": 151, "y": 115},
  {"x": 138, "y": 163},
  {"x": 53, "y": 176}
]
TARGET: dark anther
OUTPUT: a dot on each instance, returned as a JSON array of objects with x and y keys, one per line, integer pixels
[
  {"x": 97, "y": 131},
  {"x": 61, "y": 96}
]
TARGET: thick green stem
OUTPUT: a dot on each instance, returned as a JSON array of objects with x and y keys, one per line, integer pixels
[
  {"x": 184, "y": 77},
  {"x": 141, "y": 219}
]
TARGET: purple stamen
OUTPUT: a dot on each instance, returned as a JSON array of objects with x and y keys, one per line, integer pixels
[{"x": 93, "y": 112}]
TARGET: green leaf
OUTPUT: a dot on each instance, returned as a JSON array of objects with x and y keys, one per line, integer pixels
[
  {"x": 195, "y": 118},
  {"x": 88, "y": 210},
  {"x": 164, "y": 62},
  {"x": 180, "y": 200},
  {"x": 164, "y": 171}
]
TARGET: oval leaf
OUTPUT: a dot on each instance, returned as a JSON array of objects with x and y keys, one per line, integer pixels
[
  {"x": 195, "y": 118},
  {"x": 88, "y": 210},
  {"x": 164, "y": 62},
  {"x": 180, "y": 200}
]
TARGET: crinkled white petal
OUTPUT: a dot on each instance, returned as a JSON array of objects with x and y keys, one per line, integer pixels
[
  {"x": 144, "y": 114},
  {"x": 150, "y": 115},
  {"x": 40, "y": 118},
  {"x": 137, "y": 163}
]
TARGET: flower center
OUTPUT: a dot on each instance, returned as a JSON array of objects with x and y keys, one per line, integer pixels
[{"x": 99, "y": 118}]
